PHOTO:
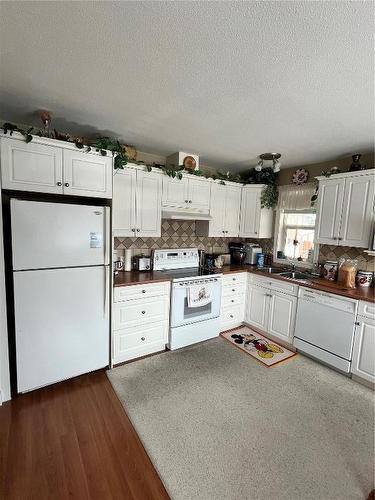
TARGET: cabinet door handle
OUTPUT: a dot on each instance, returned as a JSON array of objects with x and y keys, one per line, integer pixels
[
  {"x": 357, "y": 323},
  {"x": 232, "y": 300},
  {"x": 234, "y": 279},
  {"x": 233, "y": 289},
  {"x": 143, "y": 338},
  {"x": 66, "y": 184},
  {"x": 143, "y": 312},
  {"x": 59, "y": 183},
  {"x": 255, "y": 232},
  {"x": 231, "y": 316},
  {"x": 143, "y": 291},
  {"x": 186, "y": 201},
  {"x": 138, "y": 230},
  {"x": 339, "y": 238},
  {"x": 190, "y": 201}
]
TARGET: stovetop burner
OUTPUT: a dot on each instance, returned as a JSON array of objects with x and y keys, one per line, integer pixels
[{"x": 190, "y": 272}]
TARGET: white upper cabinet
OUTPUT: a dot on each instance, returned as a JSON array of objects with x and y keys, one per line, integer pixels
[
  {"x": 188, "y": 192},
  {"x": 87, "y": 174},
  {"x": 356, "y": 221},
  {"x": 136, "y": 205},
  {"x": 175, "y": 192},
  {"x": 330, "y": 198},
  {"x": 232, "y": 210},
  {"x": 199, "y": 194},
  {"x": 46, "y": 168},
  {"x": 255, "y": 222},
  {"x": 148, "y": 204},
  {"x": 224, "y": 210},
  {"x": 31, "y": 167},
  {"x": 123, "y": 202},
  {"x": 345, "y": 208},
  {"x": 215, "y": 227}
]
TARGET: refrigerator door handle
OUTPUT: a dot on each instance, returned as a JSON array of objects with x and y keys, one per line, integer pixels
[
  {"x": 106, "y": 290},
  {"x": 107, "y": 227}
]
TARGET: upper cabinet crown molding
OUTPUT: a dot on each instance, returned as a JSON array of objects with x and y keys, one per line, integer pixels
[
  {"x": 345, "y": 209},
  {"x": 39, "y": 167}
]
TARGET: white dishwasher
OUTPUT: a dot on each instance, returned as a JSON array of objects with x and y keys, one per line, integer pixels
[{"x": 325, "y": 327}]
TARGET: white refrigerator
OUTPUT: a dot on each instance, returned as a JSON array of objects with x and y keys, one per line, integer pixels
[{"x": 61, "y": 278}]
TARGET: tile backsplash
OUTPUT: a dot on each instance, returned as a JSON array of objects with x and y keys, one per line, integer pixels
[
  {"x": 180, "y": 234},
  {"x": 365, "y": 262}
]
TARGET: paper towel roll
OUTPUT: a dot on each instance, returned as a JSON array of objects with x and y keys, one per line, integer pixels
[{"x": 128, "y": 259}]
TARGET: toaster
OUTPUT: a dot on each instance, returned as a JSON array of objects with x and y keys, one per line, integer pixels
[{"x": 142, "y": 263}]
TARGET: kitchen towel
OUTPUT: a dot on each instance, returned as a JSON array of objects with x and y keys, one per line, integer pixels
[{"x": 199, "y": 295}]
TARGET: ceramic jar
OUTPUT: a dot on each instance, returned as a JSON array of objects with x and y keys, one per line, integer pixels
[
  {"x": 330, "y": 270},
  {"x": 364, "y": 278}
]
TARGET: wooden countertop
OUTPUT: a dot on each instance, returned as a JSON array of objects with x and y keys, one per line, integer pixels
[
  {"x": 124, "y": 278},
  {"x": 144, "y": 277}
]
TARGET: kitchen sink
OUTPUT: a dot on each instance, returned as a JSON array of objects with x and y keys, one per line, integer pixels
[
  {"x": 272, "y": 270},
  {"x": 295, "y": 275}
]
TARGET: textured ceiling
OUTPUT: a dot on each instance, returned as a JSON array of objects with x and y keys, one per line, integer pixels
[{"x": 226, "y": 80}]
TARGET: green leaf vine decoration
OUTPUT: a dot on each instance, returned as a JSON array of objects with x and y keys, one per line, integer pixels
[{"x": 104, "y": 144}]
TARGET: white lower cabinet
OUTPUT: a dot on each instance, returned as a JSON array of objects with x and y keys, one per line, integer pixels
[
  {"x": 282, "y": 315},
  {"x": 257, "y": 307},
  {"x": 270, "y": 310},
  {"x": 233, "y": 299},
  {"x": 140, "y": 320},
  {"x": 363, "y": 359}
]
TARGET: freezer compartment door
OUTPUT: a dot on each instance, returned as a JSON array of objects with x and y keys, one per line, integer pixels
[
  {"x": 62, "y": 325},
  {"x": 46, "y": 235}
]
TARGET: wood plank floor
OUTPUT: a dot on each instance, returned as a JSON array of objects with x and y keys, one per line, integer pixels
[{"x": 73, "y": 440}]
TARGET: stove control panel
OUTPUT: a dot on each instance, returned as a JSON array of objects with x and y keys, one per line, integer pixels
[{"x": 175, "y": 258}]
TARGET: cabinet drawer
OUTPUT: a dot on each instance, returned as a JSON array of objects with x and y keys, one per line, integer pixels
[
  {"x": 229, "y": 279},
  {"x": 284, "y": 286},
  {"x": 233, "y": 289},
  {"x": 140, "y": 291},
  {"x": 232, "y": 316},
  {"x": 233, "y": 300},
  {"x": 135, "y": 342},
  {"x": 366, "y": 309},
  {"x": 137, "y": 312}
]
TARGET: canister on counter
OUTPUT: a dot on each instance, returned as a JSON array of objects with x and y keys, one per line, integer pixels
[
  {"x": 330, "y": 270},
  {"x": 364, "y": 278},
  {"x": 260, "y": 260}
]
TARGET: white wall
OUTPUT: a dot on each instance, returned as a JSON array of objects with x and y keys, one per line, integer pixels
[{"x": 4, "y": 358}]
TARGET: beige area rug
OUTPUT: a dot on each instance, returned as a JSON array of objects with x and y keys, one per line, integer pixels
[
  {"x": 258, "y": 346},
  {"x": 218, "y": 427}
]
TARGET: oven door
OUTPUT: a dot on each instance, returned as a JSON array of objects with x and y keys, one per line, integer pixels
[{"x": 181, "y": 314}]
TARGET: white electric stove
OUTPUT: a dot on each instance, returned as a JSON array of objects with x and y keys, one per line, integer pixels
[{"x": 189, "y": 325}]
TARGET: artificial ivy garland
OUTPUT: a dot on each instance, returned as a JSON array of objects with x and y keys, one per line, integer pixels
[{"x": 103, "y": 144}]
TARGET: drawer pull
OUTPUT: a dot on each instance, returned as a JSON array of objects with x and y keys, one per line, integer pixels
[
  {"x": 233, "y": 289},
  {"x": 234, "y": 279},
  {"x": 231, "y": 316},
  {"x": 143, "y": 338},
  {"x": 143, "y": 312},
  {"x": 232, "y": 300},
  {"x": 143, "y": 291}
]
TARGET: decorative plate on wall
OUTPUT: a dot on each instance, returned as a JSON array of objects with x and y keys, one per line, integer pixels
[
  {"x": 300, "y": 176},
  {"x": 189, "y": 163}
]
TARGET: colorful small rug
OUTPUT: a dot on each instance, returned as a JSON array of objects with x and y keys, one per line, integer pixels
[{"x": 258, "y": 346}]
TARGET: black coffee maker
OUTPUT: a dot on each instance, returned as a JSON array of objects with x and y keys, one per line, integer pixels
[{"x": 237, "y": 252}]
